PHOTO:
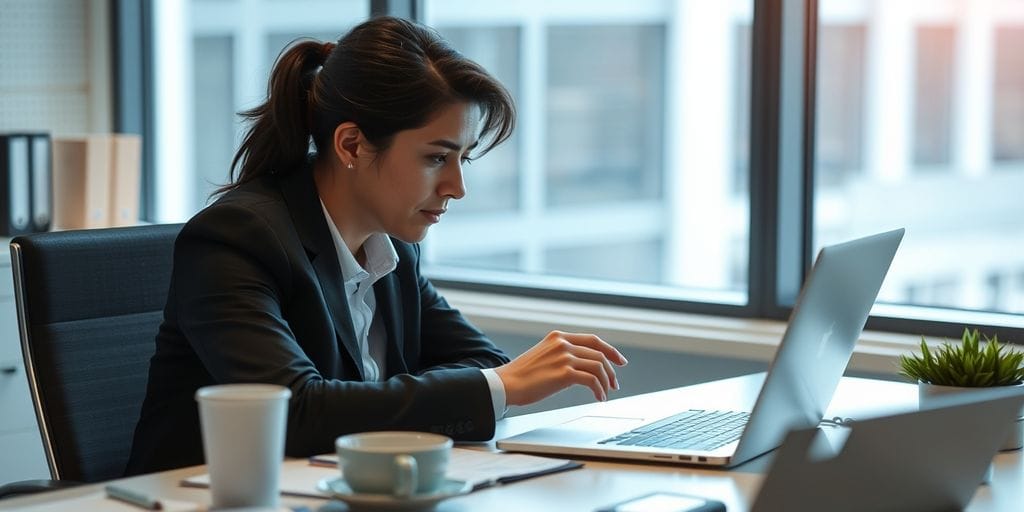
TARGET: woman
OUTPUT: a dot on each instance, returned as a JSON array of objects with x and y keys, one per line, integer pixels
[{"x": 305, "y": 272}]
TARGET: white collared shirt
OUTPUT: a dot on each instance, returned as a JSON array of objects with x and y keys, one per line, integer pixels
[{"x": 381, "y": 260}]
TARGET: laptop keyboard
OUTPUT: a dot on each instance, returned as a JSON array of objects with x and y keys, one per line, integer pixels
[{"x": 688, "y": 430}]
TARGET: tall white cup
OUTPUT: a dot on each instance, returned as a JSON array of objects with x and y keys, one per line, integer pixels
[{"x": 243, "y": 429}]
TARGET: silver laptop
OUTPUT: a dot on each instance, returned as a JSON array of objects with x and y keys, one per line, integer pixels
[
  {"x": 928, "y": 460},
  {"x": 827, "y": 319}
]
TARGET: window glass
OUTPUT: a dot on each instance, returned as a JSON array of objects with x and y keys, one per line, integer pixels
[
  {"x": 1008, "y": 108},
  {"x": 211, "y": 63},
  {"x": 840, "y": 105},
  {"x": 604, "y": 113},
  {"x": 920, "y": 110},
  {"x": 630, "y": 159},
  {"x": 278, "y": 41},
  {"x": 508, "y": 260},
  {"x": 213, "y": 135},
  {"x": 492, "y": 182},
  {"x": 606, "y": 261},
  {"x": 933, "y": 96},
  {"x": 740, "y": 179}
]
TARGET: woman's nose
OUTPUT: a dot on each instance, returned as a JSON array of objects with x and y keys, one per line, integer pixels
[{"x": 452, "y": 184}]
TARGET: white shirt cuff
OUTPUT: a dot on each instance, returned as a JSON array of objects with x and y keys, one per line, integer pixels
[{"x": 497, "y": 392}]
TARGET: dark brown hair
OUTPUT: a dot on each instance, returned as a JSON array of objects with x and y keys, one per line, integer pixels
[{"x": 386, "y": 75}]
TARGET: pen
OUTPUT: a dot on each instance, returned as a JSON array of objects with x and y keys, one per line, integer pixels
[{"x": 135, "y": 498}]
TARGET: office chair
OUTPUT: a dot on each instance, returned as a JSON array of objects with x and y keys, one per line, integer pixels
[{"x": 90, "y": 303}]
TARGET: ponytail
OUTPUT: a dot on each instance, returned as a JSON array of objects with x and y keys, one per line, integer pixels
[{"x": 277, "y": 139}]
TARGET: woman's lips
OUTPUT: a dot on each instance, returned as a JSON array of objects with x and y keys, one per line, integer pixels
[{"x": 434, "y": 216}]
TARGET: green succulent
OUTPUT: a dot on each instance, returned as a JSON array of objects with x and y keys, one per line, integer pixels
[{"x": 965, "y": 364}]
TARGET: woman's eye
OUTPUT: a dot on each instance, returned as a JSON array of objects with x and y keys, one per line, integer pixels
[{"x": 443, "y": 159}]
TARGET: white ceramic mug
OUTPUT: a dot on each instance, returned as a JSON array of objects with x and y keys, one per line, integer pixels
[
  {"x": 396, "y": 463},
  {"x": 243, "y": 428}
]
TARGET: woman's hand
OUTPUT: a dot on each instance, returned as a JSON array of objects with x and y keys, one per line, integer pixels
[{"x": 558, "y": 361}]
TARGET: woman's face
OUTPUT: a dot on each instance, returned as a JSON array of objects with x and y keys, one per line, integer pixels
[{"x": 407, "y": 188}]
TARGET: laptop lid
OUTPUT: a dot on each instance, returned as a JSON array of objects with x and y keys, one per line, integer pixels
[
  {"x": 827, "y": 319},
  {"x": 923, "y": 460}
]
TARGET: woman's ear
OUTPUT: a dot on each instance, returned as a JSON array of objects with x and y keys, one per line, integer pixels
[{"x": 348, "y": 140}]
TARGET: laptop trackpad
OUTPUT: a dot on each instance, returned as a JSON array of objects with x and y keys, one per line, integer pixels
[{"x": 585, "y": 429}]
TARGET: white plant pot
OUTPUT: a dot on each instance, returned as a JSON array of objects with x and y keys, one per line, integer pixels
[{"x": 927, "y": 392}]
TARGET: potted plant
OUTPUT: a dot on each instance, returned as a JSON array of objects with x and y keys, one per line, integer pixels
[{"x": 958, "y": 367}]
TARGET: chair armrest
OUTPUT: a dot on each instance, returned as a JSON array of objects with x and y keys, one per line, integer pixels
[{"x": 34, "y": 486}]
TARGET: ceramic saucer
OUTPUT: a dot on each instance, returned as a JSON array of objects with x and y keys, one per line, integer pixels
[{"x": 338, "y": 489}]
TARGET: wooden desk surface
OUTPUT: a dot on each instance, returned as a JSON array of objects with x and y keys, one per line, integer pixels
[{"x": 601, "y": 483}]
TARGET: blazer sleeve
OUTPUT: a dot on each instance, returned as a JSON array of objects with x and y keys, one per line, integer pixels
[
  {"x": 449, "y": 340},
  {"x": 235, "y": 291}
]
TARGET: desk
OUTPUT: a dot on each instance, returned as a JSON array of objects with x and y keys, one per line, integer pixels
[{"x": 602, "y": 482}]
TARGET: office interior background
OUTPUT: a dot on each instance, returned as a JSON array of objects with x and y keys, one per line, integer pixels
[{"x": 636, "y": 177}]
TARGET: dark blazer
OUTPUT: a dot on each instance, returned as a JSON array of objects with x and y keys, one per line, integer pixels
[{"x": 257, "y": 295}]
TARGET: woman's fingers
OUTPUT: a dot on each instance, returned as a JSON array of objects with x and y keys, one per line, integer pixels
[
  {"x": 590, "y": 381},
  {"x": 592, "y": 368},
  {"x": 596, "y": 343},
  {"x": 592, "y": 347},
  {"x": 559, "y": 361},
  {"x": 607, "y": 371}
]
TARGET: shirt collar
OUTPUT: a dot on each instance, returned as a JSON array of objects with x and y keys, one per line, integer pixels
[{"x": 381, "y": 257}]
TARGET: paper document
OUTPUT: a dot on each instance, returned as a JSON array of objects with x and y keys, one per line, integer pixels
[
  {"x": 484, "y": 469},
  {"x": 299, "y": 477}
]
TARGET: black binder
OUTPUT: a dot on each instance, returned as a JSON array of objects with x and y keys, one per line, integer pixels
[{"x": 25, "y": 183}]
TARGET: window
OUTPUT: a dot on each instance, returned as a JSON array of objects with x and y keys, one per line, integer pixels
[
  {"x": 622, "y": 177},
  {"x": 643, "y": 127},
  {"x": 934, "y": 118}
]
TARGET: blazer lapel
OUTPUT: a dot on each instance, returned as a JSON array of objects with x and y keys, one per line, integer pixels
[
  {"x": 299, "y": 191},
  {"x": 387, "y": 292}
]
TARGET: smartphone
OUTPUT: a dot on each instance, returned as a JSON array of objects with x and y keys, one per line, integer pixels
[{"x": 666, "y": 502}]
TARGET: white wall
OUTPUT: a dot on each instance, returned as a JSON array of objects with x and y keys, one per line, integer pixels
[{"x": 56, "y": 66}]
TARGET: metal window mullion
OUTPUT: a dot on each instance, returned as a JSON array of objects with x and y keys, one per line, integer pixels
[
  {"x": 763, "y": 180},
  {"x": 132, "y": 48},
  {"x": 408, "y": 9},
  {"x": 782, "y": 149}
]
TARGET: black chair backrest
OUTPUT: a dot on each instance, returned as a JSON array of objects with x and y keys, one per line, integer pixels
[{"x": 90, "y": 303}]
